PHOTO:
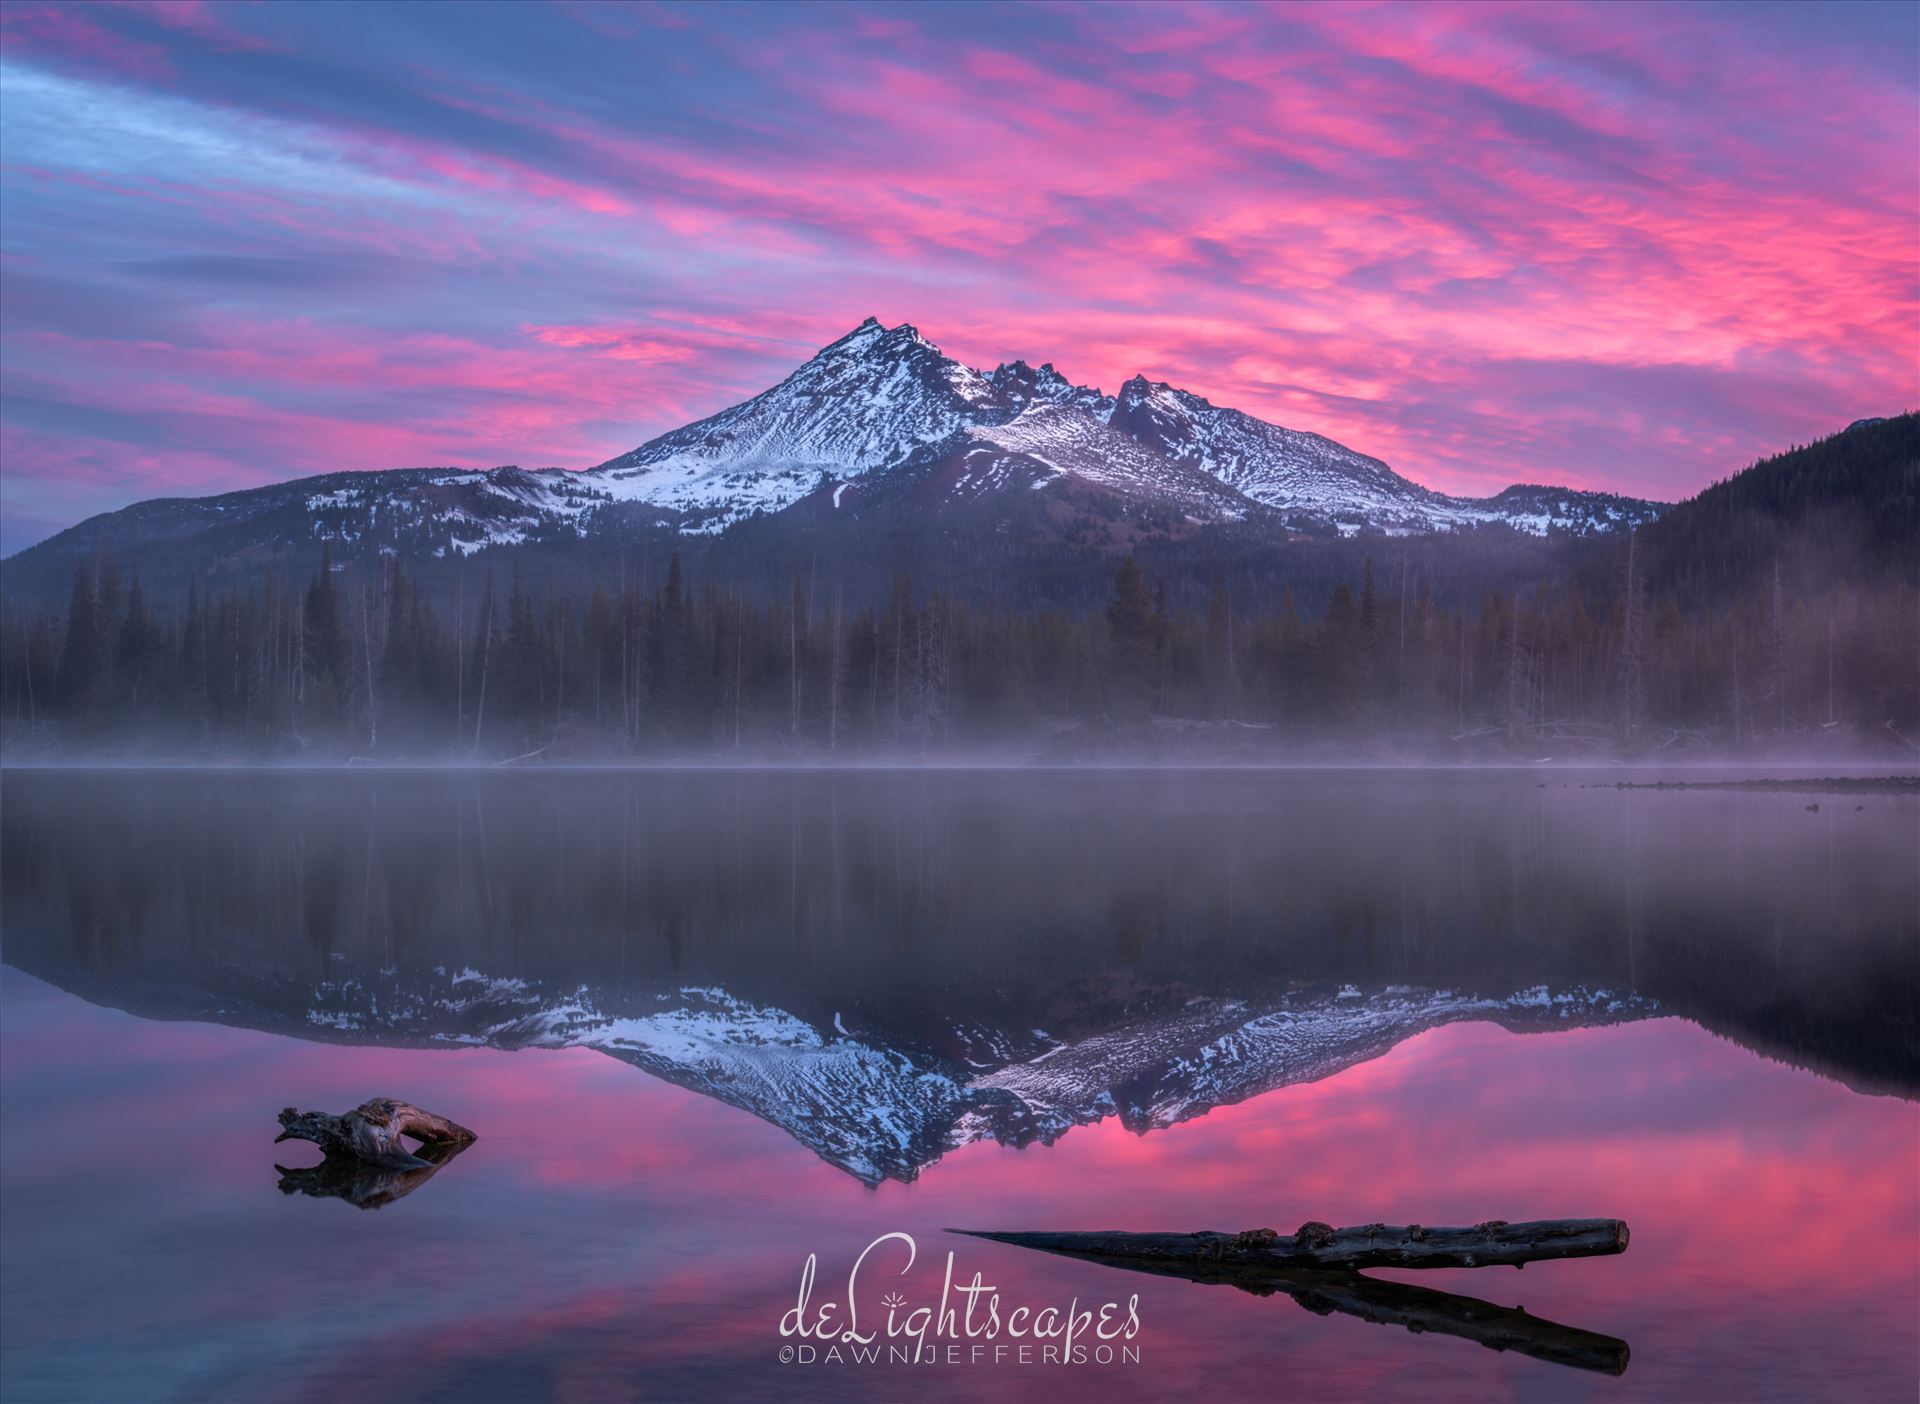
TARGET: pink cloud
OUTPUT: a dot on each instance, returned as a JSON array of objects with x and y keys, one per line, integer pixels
[{"x": 1487, "y": 244}]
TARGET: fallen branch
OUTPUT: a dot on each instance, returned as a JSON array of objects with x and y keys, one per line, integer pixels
[
  {"x": 1317, "y": 1245},
  {"x": 371, "y": 1132},
  {"x": 515, "y": 760}
]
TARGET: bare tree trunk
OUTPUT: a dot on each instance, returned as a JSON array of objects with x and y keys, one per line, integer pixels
[
  {"x": 26, "y": 652},
  {"x": 1736, "y": 694},
  {"x": 1632, "y": 645},
  {"x": 299, "y": 689},
  {"x": 1460, "y": 678},
  {"x": 486, "y": 649},
  {"x": 1830, "y": 712},
  {"x": 1516, "y": 678},
  {"x": 366, "y": 645},
  {"x": 560, "y": 680},
  {"x": 833, "y": 682},
  {"x": 899, "y": 646},
  {"x": 1400, "y": 658},
  {"x": 1777, "y": 656}
]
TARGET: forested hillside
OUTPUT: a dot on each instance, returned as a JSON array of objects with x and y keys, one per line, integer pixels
[
  {"x": 1776, "y": 609},
  {"x": 358, "y": 665},
  {"x": 1844, "y": 509}
]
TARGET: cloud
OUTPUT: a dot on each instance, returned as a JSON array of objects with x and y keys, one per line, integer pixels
[{"x": 1628, "y": 250}]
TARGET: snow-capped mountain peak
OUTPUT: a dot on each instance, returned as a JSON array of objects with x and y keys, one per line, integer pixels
[
  {"x": 1021, "y": 385},
  {"x": 1153, "y": 409},
  {"x": 881, "y": 424},
  {"x": 861, "y": 403}
]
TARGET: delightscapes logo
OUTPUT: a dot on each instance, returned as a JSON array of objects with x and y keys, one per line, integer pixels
[{"x": 879, "y": 1319}]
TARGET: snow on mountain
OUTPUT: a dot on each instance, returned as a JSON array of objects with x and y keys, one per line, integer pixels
[
  {"x": 1294, "y": 471},
  {"x": 1020, "y": 385},
  {"x": 884, "y": 413},
  {"x": 470, "y": 510},
  {"x": 884, "y": 1107},
  {"x": 1281, "y": 468},
  {"x": 1049, "y": 440},
  {"x": 1532, "y": 508},
  {"x": 1216, "y": 1053},
  {"x": 867, "y": 401},
  {"x": 885, "y": 401},
  {"x": 872, "y": 1111}
]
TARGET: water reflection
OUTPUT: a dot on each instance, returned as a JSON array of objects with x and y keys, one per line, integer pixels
[
  {"x": 1419, "y": 1310},
  {"x": 893, "y": 965},
  {"x": 1217, "y": 1000},
  {"x": 612, "y": 1236},
  {"x": 361, "y": 1185}
]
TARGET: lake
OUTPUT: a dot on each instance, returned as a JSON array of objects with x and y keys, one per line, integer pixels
[{"x": 707, "y": 1024}]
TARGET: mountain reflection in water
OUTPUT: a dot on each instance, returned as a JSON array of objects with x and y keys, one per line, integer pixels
[
  {"x": 1200, "y": 1001},
  {"x": 890, "y": 965}
]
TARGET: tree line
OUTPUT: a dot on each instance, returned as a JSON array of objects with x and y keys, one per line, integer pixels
[{"x": 355, "y": 661}]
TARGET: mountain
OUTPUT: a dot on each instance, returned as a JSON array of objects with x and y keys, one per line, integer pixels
[
  {"x": 883, "y": 1103},
  {"x": 879, "y": 427},
  {"x": 1841, "y": 511},
  {"x": 883, "y": 409}
]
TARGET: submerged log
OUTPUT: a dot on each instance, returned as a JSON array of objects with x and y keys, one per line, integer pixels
[
  {"x": 371, "y": 1133},
  {"x": 1317, "y": 1245},
  {"x": 1239, "y": 1260}
]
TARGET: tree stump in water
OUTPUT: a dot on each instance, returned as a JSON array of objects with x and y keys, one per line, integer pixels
[{"x": 370, "y": 1133}]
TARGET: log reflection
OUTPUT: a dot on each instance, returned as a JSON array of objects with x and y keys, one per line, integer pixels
[
  {"x": 1421, "y": 1310},
  {"x": 362, "y": 1185}
]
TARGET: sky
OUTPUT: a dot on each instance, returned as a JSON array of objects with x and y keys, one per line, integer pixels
[{"x": 1614, "y": 246}]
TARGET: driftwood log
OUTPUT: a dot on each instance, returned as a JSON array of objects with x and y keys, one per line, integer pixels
[
  {"x": 1318, "y": 1268},
  {"x": 371, "y": 1133},
  {"x": 1317, "y": 1245}
]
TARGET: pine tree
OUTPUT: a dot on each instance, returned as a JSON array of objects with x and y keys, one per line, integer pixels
[
  {"x": 1131, "y": 629},
  {"x": 325, "y": 647},
  {"x": 1222, "y": 681},
  {"x": 82, "y": 655},
  {"x": 130, "y": 649}
]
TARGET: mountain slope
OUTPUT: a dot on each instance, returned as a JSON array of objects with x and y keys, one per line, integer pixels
[
  {"x": 879, "y": 423},
  {"x": 1290, "y": 470},
  {"x": 1841, "y": 510},
  {"x": 884, "y": 400},
  {"x": 882, "y": 1105},
  {"x": 863, "y": 402}
]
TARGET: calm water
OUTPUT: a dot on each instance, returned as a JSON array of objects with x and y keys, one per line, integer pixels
[{"x": 707, "y": 1025}]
